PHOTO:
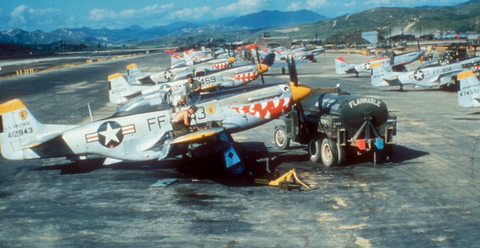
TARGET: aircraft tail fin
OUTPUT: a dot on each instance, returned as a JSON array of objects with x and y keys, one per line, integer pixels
[
  {"x": 469, "y": 94},
  {"x": 341, "y": 66},
  {"x": 175, "y": 58},
  {"x": 119, "y": 88},
  {"x": 133, "y": 73},
  {"x": 21, "y": 133},
  {"x": 382, "y": 77},
  {"x": 136, "y": 76}
]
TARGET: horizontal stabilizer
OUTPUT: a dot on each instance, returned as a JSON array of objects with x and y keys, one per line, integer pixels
[{"x": 40, "y": 141}]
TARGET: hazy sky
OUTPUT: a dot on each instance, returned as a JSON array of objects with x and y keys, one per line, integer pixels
[{"x": 49, "y": 15}]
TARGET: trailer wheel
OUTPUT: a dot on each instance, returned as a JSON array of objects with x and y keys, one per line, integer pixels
[
  {"x": 282, "y": 142},
  {"x": 329, "y": 152},
  {"x": 314, "y": 150},
  {"x": 342, "y": 156}
]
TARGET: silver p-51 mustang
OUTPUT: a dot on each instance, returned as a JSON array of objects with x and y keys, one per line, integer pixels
[{"x": 140, "y": 130}]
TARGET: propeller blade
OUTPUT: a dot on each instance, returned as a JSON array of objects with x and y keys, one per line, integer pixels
[
  {"x": 258, "y": 61},
  {"x": 293, "y": 73}
]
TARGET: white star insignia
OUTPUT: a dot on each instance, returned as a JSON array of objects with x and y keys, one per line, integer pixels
[
  {"x": 110, "y": 134},
  {"x": 418, "y": 75},
  {"x": 168, "y": 75}
]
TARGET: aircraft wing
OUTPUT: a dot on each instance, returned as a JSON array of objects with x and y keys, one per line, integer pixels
[
  {"x": 445, "y": 77},
  {"x": 283, "y": 63},
  {"x": 390, "y": 80},
  {"x": 401, "y": 63},
  {"x": 198, "y": 135}
]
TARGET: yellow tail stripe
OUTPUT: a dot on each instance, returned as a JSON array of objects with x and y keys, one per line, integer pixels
[
  {"x": 130, "y": 66},
  {"x": 113, "y": 76},
  {"x": 465, "y": 74},
  {"x": 11, "y": 106}
]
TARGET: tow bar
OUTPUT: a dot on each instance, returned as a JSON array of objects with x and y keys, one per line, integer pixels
[{"x": 287, "y": 181}]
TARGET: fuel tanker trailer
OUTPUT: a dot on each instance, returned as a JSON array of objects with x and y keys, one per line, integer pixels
[{"x": 336, "y": 125}]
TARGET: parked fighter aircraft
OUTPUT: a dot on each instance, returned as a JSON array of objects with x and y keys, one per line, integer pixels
[
  {"x": 177, "y": 61},
  {"x": 430, "y": 74},
  {"x": 399, "y": 60},
  {"x": 300, "y": 53},
  {"x": 140, "y": 130},
  {"x": 121, "y": 91},
  {"x": 469, "y": 94}
]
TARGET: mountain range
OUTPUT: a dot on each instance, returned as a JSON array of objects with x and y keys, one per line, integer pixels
[{"x": 258, "y": 20}]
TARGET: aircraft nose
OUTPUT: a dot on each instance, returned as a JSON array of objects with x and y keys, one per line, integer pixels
[
  {"x": 231, "y": 60},
  {"x": 262, "y": 68},
  {"x": 300, "y": 92}
]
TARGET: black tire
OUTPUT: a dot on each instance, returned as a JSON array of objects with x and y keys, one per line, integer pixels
[
  {"x": 282, "y": 141},
  {"x": 342, "y": 156},
  {"x": 329, "y": 152},
  {"x": 314, "y": 150}
]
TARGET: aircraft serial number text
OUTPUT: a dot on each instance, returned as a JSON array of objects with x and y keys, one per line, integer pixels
[{"x": 20, "y": 132}]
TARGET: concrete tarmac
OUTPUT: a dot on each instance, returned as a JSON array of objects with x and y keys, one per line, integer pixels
[{"x": 427, "y": 196}]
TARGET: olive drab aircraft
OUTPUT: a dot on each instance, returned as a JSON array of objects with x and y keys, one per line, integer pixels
[
  {"x": 431, "y": 74},
  {"x": 469, "y": 93},
  {"x": 399, "y": 61},
  {"x": 140, "y": 130},
  {"x": 121, "y": 91}
]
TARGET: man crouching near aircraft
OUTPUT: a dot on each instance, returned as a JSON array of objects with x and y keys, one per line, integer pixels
[{"x": 181, "y": 121}]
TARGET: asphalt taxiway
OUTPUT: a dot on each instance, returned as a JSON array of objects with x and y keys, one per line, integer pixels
[{"x": 427, "y": 196}]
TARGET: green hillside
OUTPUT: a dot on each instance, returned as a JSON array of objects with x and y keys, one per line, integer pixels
[{"x": 460, "y": 18}]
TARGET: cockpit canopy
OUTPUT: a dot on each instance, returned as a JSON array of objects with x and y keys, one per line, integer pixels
[
  {"x": 155, "y": 101},
  {"x": 432, "y": 63}
]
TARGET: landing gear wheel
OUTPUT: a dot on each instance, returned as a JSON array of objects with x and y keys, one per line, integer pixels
[
  {"x": 283, "y": 70},
  {"x": 314, "y": 150},
  {"x": 282, "y": 142},
  {"x": 329, "y": 152}
]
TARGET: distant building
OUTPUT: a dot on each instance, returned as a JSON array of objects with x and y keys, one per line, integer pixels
[
  {"x": 402, "y": 37},
  {"x": 347, "y": 40},
  {"x": 371, "y": 37},
  {"x": 272, "y": 42}
]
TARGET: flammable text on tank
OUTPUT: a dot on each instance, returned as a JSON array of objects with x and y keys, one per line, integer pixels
[{"x": 365, "y": 100}]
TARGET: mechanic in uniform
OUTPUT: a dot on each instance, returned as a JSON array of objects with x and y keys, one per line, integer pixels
[{"x": 181, "y": 121}]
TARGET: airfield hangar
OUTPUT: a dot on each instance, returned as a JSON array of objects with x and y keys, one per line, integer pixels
[
  {"x": 352, "y": 40},
  {"x": 271, "y": 42}
]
